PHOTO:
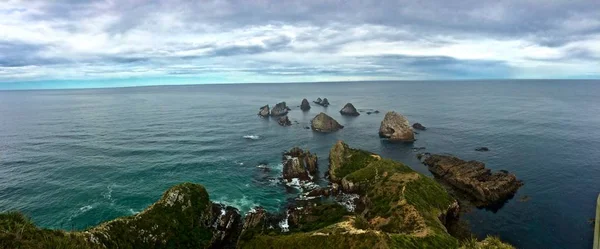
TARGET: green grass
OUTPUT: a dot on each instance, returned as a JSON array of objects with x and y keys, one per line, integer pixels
[
  {"x": 490, "y": 242},
  {"x": 321, "y": 216}
]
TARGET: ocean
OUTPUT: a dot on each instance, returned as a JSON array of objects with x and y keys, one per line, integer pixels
[{"x": 71, "y": 159}]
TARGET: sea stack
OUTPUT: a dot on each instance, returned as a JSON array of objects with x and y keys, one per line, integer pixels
[
  {"x": 305, "y": 106},
  {"x": 325, "y": 102},
  {"x": 280, "y": 109},
  {"x": 396, "y": 128},
  {"x": 349, "y": 110},
  {"x": 324, "y": 123},
  {"x": 264, "y": 111},
  {"x": 284, "y": 121}
]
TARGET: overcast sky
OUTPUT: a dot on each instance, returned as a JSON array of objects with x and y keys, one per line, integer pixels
[{"x": 285, "y": 41}]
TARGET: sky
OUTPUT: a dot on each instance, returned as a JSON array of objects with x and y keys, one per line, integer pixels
[{"x": 75, "y": 43}]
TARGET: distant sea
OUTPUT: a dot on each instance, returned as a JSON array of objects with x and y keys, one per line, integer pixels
[{"x": 71, "y": 159}]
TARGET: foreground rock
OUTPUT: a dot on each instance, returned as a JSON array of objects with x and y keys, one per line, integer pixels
[
  {"x": 419, "y": 126},
  {"x": 284, "y": 121},
  {"x": 264, "y": 111},
  {"x": 299, "y": 164},
  {"x": 280, "y": 109},
  {"x": 472, "y": 178},
  {"x": 349, "y": 110},
  {"x": 305, "y": 106},
  {"x": 396, "y": 128},
  {"x": 324, "y": 123}
]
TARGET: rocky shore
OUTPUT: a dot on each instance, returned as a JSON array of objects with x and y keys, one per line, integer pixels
[{"x": 374, "y": 203}]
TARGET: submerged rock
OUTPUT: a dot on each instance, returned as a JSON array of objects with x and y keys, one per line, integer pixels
[
  {"x": 324, "y": 123},
  {"x": 264, "y": 111},
  {"x": 419, "y": 126},
  {"x": 299, "y": 164},
  {"x": 305, "y": 106},
  {"x": 396, "y": 127},
  {"x": 482, "y": 149},
  {"x": 284, "y": 121},
  {"x": 472, "y": 178},
  {"x": 349, "y": 110},
  {"x": 280, "y": 109}
]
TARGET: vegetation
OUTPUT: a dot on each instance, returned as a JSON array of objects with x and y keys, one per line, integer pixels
[{"x": 490, "y": 242}]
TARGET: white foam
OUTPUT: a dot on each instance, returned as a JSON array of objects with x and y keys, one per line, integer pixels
[
  {"x": 284, "y": 225},
  {"x": 85, "y": 209},
  {"x": 262, "y": 166},
  {"x": 348, "y": 201},
  {"x": 253, "y": 137},
  {"x": 133, "y": 211}
]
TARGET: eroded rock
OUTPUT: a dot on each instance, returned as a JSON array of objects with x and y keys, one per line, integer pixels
[
  {"x": 284, "y": 121},
  {"x": 264, "y": 111},
  {"x": 279, "y": 109},
  {"x": 349, "y": 110},
  {"x": 299, "y": 164},
  {"x": 396, "y": 127},
  {"x": 324, "y": 123}
]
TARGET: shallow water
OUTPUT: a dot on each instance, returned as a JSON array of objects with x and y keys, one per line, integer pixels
[{"x": 74, "y": 158}]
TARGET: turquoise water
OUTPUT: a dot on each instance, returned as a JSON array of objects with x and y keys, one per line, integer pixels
[{"x": 74, "y": 158}]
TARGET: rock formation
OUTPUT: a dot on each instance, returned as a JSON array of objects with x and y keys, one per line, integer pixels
[
  {"x": 264, "y": 111},
  {"x": 419, "y": 126},
  {"x": 305, "y": 106},
  {"x": 349, "y": 110},
  {"x": 324, "y": 123},
  {"x": 299, "y": 164},
  {"x": 284, "y": 121},
  {"x": 472, "y": 178},
  {"x": 322, "y": 102},
  {"x": 279, "y": 109},
  {"x": 396, "y": 128}
]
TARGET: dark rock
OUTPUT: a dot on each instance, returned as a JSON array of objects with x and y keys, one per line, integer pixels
[
  {"x": 307, "y": 127},
  {"x": 376, "y": 111},
  {"x": 324, "y": 123},
  {"x": 419, "y": 126},
  {"x": 322, "y": 102},
  {"x": 227, "y": 226},
  {"x": 264, "y": 111},
  {"x": 482, "y": 149},
  {"x": 305, "y": 106},
  {"x": 299, "y": 164},
  {"x": 349, "y": 110},
  {"x": 284, "y": 121},
  {"x": 395, "y": 127},
  {"x": 279, "y": 110},
  {"x": 369, "y": 113},
  {"x": 472, "y": 178}
]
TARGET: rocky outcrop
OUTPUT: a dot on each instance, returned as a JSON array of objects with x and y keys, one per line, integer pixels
[
  {"x": 419, "y": 126},
  {"x": 349, "y": 110},
  {"x": 284, "y": 121},
  {"x": 324, "y": 123},
  {"x": 280, "y": 109},
  {"x": 264, "y": 111},
  {"x": 395, "y": 127},
  {"x": 227, "y": 225},
  {"x": 322, "y": 102},
  {"x": 472, "y": 178},
  {"x": 305, "y": 106},
  {"x": 299, "y": 164}
]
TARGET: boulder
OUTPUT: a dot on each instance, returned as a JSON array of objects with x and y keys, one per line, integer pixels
[
  {"x": 280, "y": 109},
  {"x": 325, "y": 102},
  {"x": 299, "y": 164},
  {"x": 284, "y": 121},
  {"x": 419, "y": 126},
  {"x": 305, "y": 106},
  {"x": 396, "y": 128},
  {"x": 472, "y": 178},
  {"x": 264, "y": 111},
  {"x": 324, "y": 123},
  {"x": 349, "y": 110}
]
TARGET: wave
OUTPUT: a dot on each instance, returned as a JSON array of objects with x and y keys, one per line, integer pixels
[{"x": 252, "y": 137}]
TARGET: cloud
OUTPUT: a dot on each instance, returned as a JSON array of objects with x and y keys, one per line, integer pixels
[{"x": 262, "y": 40}]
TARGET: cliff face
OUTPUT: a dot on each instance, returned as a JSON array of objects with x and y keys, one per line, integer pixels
[{"x": 392, "y": 207}]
